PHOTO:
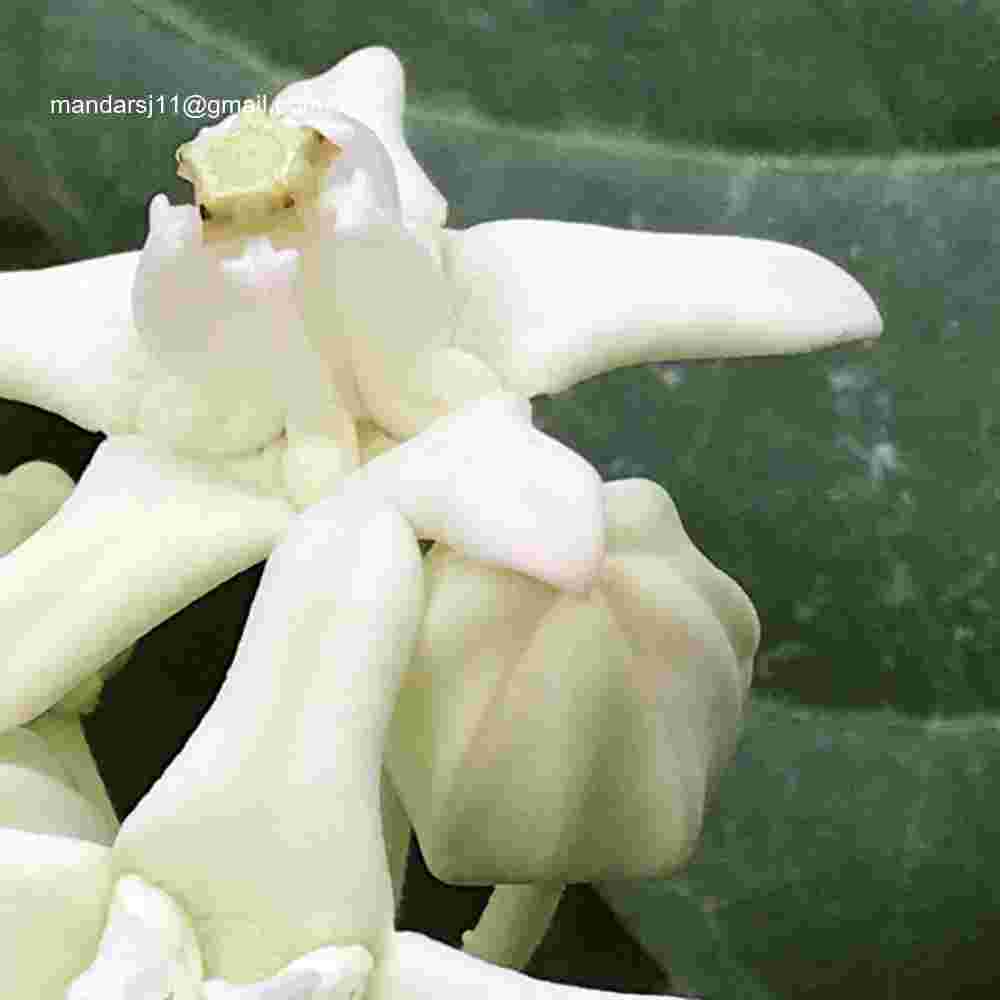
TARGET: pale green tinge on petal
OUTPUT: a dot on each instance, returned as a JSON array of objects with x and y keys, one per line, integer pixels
[
  {"x": 513, "y": 923},
  {"x": 396, "y": 833},
  {"x": 148, "y": 949},
  {"x": 631, "y": 693},
  {"x": 66, "y": 739},
  {"x": 548, "y": 304},
  {"x": 293, "y": 802},
  {"x": 369, "y": 85},
  {"x": 143, "y": 535},
  {"x": 54, "y": 894},
  {"x": 39, "y": 791},
  {"x": 417, "y": 968},
  {"x": 489, "y": 484},
  {"x": 67, "y": 343}
]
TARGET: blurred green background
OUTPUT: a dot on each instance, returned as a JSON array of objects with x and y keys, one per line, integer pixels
[{"x": 855, "y": 494}]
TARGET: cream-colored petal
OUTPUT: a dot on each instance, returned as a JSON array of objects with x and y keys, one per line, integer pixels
[
  {"x": 418, "y": 968},
  {"x": 548, "y": 304},
  {"x": 54, "y": 894},
  {"x": 143, "y": 535},
  {"x": 67, "y": 342},
  {"x": 381, "y": 295},
  {"x": 631, "y": 693},
  {"x": 267, "y": 826},
  {"x": 37, "y": 792},
  {"x": 148, "y": 949},
  {"x": 64, "y": 736},
  {"x": 369, "y": 85},
  {"x": 488, "y": 483},
  {"x": 29, "y": 496}
]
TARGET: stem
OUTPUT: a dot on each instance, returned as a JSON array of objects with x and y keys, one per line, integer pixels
[{"x": 513, "y": 923}]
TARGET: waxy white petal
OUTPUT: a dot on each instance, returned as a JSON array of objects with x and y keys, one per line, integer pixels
[
  {"x": 29, "y": 496},
  {"x": 548, "y": 304},
  {"x": 270, "y": 835},
  {"x": 488, "y": 483},
  {"x": 38, "y": 793},
  {"x": 67, "y": 343},
  {"x": 383, "y": 296},
  {"x": 143, "y": 535},
  {"x": 369, "y": 85},
  {"x": 54, "y": 894},
  {"x": 418, "y": 968},
  {"x": 148, "y": 949}
]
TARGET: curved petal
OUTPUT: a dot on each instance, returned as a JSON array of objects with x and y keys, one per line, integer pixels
[
  {"x": 143, "y": 535},
  {"x": 29, "y": 496},
  {"x": 67, "y": 342},
  {"x": 295, "y": 801},
  {"x": 54, "y": 894},
  {"x": 369, "y": 85},
  {"x": 548, "y": 304},
  {"x": 384, "y": 294},
  {"x": 488, "y": 483},
  {"x": 37, "y": 792},
  {"x": 64, "y": 736},
  {"x": 417, "y": 968},
  {"x": 147, "y": 949}
]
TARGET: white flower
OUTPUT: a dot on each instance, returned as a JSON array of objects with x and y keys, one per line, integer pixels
[
  {"x": 255, "y": 866},
  {"x": 243, "y": 365}
]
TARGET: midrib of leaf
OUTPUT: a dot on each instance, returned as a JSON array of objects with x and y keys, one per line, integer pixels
[{"x": 569, "y": 143}]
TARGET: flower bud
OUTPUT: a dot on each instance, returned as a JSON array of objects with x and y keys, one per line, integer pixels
[{"x": 542, "y": 735}]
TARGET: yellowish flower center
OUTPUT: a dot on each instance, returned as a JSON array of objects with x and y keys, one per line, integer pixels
[{"x": 256, "y": 177}]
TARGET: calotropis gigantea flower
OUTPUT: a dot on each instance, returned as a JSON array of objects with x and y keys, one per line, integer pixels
[
  {"x": 312, "y": 307},
  {"x": 255, "y": 866},
  {"x": 631, "y": 693}
]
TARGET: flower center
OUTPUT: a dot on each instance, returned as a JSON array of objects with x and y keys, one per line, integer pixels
[{"x": 254, "y": 174}]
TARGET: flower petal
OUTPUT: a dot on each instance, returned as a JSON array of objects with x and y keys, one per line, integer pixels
[
  {"x": 54, "y": 894},
  {"x": 548, "y": 304},
  {"x": 417, "y": 968},
  {"x": 294, "y": 801},
  {"x": 29, "y": 496},
  {"x": 369, "y": 85},
  {"x": 488, "y": 483},
  {"x": 383, "y": 294},
  {"x": 147, "y": 949},
  {"x": 37, "y": 792},
  {"x": 67, "y": 342},
  {"x": 143, "y": 535}
]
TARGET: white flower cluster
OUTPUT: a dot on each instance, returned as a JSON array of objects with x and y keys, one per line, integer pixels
[{"x": 309, "y": 367}]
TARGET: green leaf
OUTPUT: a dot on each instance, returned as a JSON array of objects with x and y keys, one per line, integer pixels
[{"x": 852, "y": 853}]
